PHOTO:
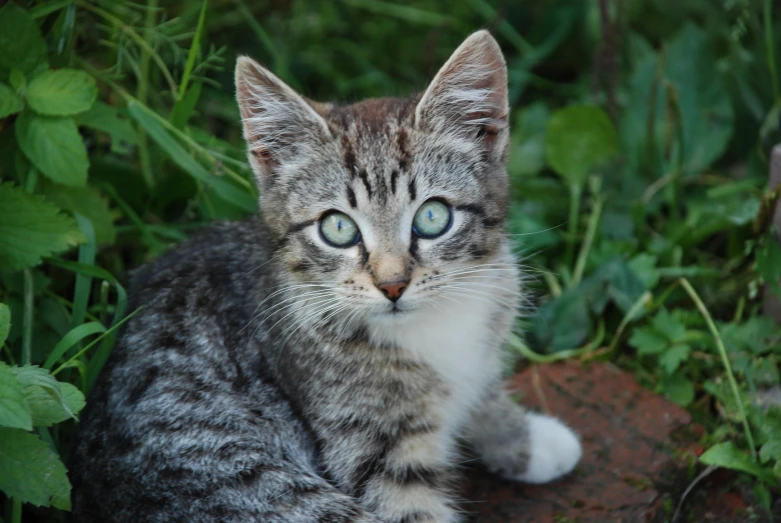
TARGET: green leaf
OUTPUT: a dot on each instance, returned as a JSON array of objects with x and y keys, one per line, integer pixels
[
  {"x": 728, "y": 456},
  {"x": 644, "y": 266},
  {"x": 580, "y": 138},
  {"x": 87, "y": 202},
  {"x": 679, "y": 389},
  {"x": 61, "y": 92},
  {"x": 184, "y": 160},
  {"x": 17, "y": 80},
  {"x": 641, "y": 123},
  {"x": 672, "y": 358},
  {"x": 770, "y": 450},
  {"x": 31, "y": 228},
  {"x": 21, "y": 43},
  {"x": 108, "y": 119},
  {"x": 54, "y": 146},
  {"x": 562, "y": 323},
  {"x": 5, "y": 322},
  {"x": 648, "y": 341},
  {"x": 613, "y": 281},
  {"x": 527, "y": 143},
  {"x": 50, "y": 401},
  {"x": 14, "y": 411},
  {"x": 769, "y": 262},
  {"x": 702, "y": 99},
  {"x": 668, "y": 325},
  {"x": 527, "y": 232},
  {"x": 45, "y": 396},
  {"x": 31, "y": 472},
  {"x": 10, "y": 102}
]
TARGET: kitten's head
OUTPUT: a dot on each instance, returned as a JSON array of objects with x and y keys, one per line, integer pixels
[{"x": 385, "y": 204}]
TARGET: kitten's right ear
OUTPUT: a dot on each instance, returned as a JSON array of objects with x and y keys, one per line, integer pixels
[
  {"x": 279, "y": 125},
  {"x": 468, "y": 96}
]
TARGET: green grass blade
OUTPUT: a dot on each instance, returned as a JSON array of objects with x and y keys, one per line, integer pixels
[
  {"x": 75, "y": 357},
  {"x": 402, "y": 12},
  {"x": 83, "y": 287},
  {"x": 278, "y": 64},
  {"x": 73, "y": 337},
  {"x": 148, "y": 120},
  {"x": 96, "y": 272},
  {"x": 41, "y": 10},
  {"x": 724, "y": 359},
  {"x": 192, "y": 54}
]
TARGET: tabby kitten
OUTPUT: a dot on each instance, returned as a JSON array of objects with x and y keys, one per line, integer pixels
[{"x": 321, "y": 363}]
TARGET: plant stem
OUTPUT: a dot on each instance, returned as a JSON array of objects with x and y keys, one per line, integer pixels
[
  {"x": 771, "y": 56},
  {"x": 142, "y": 43},
  {"x": 192, "y": 54},
  {"x": 575, "y": 192},
  {"x": 16, "y": 511},
  {"x": 32, "y": 180},
  {"x": 142, "y": 93},
  {"x": 724, "y": 359},
  {"x": 27, "y": 318},
  {"x": 631, "y": 315},
  {"x": 580, "y": 266},
  {"x": 525, "y": 351}
]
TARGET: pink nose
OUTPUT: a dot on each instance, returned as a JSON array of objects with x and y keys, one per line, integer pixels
[{"x": 393, "y": 290}]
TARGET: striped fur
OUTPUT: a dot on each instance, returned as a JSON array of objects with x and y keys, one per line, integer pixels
[{"x": 267, "y": 378}]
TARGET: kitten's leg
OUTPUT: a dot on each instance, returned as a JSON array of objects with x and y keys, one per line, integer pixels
[
  {"x": 521, "y": 445},
  {"x": 187, "y": 449},
  {"x": 401, "y": 475}
]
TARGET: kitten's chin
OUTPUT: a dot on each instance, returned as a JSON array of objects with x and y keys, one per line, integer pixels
[{"x": 395, "y": 313}]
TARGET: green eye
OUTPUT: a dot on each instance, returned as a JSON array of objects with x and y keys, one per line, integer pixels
[
  {"x": 339, "y": 230},
  {"x": 432, "y": 219}
]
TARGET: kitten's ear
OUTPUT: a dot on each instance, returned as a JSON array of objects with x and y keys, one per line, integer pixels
[
  {"x": 468, "y": 97},
  {"x": 280, "y": 126}
]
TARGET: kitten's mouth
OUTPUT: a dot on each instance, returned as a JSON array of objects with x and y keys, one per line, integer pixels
[{"x": 397, "y": 310}]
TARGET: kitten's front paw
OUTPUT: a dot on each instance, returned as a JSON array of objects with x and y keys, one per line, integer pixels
[{"x": 554, "y": 450}]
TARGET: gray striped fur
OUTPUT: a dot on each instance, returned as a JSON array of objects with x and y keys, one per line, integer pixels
[{"x": 268, "y": 379}]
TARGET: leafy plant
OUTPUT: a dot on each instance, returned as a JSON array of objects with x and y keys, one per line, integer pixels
[{"x": 638, "y": 168}]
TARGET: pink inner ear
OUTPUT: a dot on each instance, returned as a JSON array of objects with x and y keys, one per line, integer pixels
[
  {"x": 471, "y": 88},
  {"x": 261, "y": 154}
]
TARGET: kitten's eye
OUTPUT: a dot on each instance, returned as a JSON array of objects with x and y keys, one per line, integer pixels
[
  {"x": 432, "y": 219},
  {"x": 339, "y": 230}
]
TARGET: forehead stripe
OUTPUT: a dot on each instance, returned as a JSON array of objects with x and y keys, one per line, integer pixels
[
  {"x": 478, "y": 211},
  {"x": 365, "y": 179},
  {"x": 297, "y": 227},
  {"x": 413, "y": 191}
]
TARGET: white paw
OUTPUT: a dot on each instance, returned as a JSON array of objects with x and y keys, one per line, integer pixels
[{"x": 555, "y": 450}]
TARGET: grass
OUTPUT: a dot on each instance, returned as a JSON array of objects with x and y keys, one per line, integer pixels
[{"x": 638, "y": 165}]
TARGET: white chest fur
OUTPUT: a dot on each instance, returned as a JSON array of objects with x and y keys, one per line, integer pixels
[{"x": 456, "y": 340}]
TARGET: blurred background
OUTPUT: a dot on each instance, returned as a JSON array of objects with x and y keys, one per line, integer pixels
[{"x": 641, "y": 140}]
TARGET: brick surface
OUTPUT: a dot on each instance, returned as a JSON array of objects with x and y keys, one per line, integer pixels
[{"x": 627, "y": 449}]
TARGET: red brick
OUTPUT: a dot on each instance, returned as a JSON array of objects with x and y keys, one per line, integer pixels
[{"x": 626, "y": 433}]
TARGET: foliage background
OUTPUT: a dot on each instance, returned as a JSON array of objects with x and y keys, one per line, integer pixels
[{"x": 639, "y": 161}]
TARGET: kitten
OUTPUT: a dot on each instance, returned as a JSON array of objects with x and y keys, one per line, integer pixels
[{"x": 321, "y": 362}]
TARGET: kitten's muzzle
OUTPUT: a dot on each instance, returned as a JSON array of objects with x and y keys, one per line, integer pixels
[{"x": 393, "y": 290}]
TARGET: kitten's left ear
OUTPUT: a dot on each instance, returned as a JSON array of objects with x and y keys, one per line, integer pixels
[
  {"x": 280, "y": 126},
  {"x": 468, "y": 97}
]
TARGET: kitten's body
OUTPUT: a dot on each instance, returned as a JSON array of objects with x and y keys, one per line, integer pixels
[{"x": 268, "y": 379}]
